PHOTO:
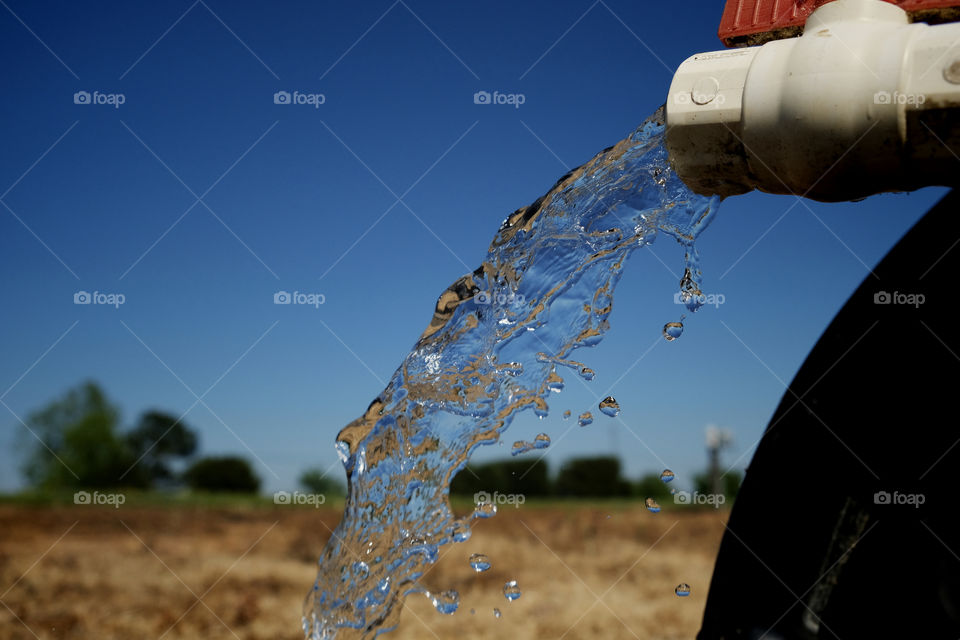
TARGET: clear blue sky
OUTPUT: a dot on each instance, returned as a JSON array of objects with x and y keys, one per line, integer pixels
[{"x": 302, "y": 198}]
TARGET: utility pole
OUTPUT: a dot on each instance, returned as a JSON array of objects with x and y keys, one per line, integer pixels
[{"x": 717, "y": 439}]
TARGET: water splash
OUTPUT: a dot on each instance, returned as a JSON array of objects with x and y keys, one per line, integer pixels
[
  {"x": 479, "y": 562},
  {"x": 542, "y": 441},
  {"x": 672, "y": 331},
  {"x": 545, "y": 287},
  {"x": 446, "y": 602},
  {"x": 610, "y": 407}
]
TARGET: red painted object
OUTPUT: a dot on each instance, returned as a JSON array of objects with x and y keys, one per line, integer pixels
[{"x": 752, "y": 22}]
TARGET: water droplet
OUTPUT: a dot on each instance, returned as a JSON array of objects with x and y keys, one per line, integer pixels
[
  {"x": 446, "y": 602},
  {"x": 461, "y": 531},
  {"x": 667, "y": 475},
  {"x": 512, "y": 369},
  {"x": 652, "y": 505},
  {"x": 519, "y": 447},
  {"x": 566, "y": 414},
  {"x": 682, "y": 590},
  {"x": 672, "y": 331},
  {"x": 496, "y": 613},
  {"x": 485, "y": 510},
  {"x": 473, "y": 611},
  {"x": 585, "y": 418},
  {"x": 587, "y": 373},
  {"x": 343, "y": 451},
  {"x": 542, "y": 441},
  {"x": 479, "y": 562},
  {"x": 511, "y": 591},
  {"x": 610, "y": 407},
  {"x": 360, "y": 569}
]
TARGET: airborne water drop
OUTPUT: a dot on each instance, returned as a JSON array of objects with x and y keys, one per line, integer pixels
[
  {"x": 610, "y": 407},
  {"x": 672, "y": 331}
]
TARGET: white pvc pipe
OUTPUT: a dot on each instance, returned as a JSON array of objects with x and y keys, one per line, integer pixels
[{"x": 862, "y": 102}]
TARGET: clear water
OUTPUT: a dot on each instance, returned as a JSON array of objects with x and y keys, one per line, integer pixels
[{"x": 500, "y": 341}]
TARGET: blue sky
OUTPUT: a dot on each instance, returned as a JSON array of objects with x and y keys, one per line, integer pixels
[{"x": 199, "y": 197}]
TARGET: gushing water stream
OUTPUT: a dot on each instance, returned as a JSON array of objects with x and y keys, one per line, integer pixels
[{"x": 500, "y": 341}]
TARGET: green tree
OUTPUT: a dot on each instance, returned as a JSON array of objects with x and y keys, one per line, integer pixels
[
  {"x": 156, "y": 441},
  {"x": 74, "y": 442},
  {"x": 651, "y": 486},
  {"x": 316, "y": 480},
  {"x": 527, "y": 477},
  {"x": 730, "y": 482},
  {"x": 591, "y": 477},
  {"x": 224, "y": 473}
]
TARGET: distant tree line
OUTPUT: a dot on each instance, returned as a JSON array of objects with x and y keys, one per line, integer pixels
[
  {"x": 77, "y": 441},
  {"x": 588, "y": 477}
]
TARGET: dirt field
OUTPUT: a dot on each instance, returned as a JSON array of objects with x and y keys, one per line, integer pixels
[{"x": 180, "y": 572}]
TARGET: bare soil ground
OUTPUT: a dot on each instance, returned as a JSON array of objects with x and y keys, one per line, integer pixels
[{"x": 601, "y": 571}]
